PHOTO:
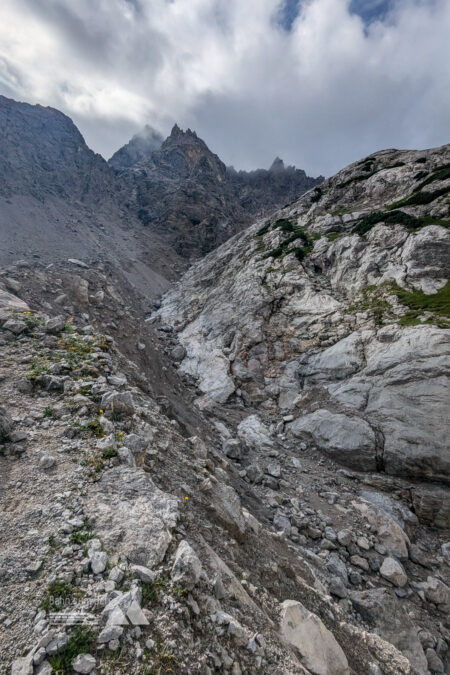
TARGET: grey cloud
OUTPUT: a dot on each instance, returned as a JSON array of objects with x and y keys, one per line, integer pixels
[{"x": 324, "y": 92}]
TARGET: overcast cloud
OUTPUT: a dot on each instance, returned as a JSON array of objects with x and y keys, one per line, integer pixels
[{"x": 320, "y": 83}]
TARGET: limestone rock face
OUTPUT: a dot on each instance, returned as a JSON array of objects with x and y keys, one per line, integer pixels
[
  {"x": 329, "y": 310},
  {"x": 318, "y": 648}
]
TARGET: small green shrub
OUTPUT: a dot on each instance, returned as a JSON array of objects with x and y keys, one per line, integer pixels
[
  {"x": 96, "y": 428},
  {"x": 49, "y": 412},
  {"x": 109, "y": 453},
  {"x": 440, "y": 173},
  {"x": 81, "y": 641},
  {"x": 331, "y": 236},
  {"x": 263, "y": 230},
  {"x": 57, "y": 593},
  {"x": 317, "y": 194},
  {"x": 396, "y": 217},
  {"x": 151, "y": 591}
]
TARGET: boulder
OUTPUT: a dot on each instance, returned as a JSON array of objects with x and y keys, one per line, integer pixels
[
  {"x": 393, "y": 571},
  {"x": 187, "y": 567},
  {"x": 254, "y": 433},
  {"x": 11, "y": 303},
  {"x": 347, "y": 439},
  {"x": 55, "y": 326},
  {"x": 133, "y": 517},
  {"x": 84, "y": 664},
  {"x": 389, "y": 532},
  {"x": 118, "y": 402},
  {"x": 319, "y": 651},
  {"x": 232, "y": 448},
  {"x": 15, "y": 326},
  {"x": 432, "y": 505},
  {"x": 382, "y": 610}
]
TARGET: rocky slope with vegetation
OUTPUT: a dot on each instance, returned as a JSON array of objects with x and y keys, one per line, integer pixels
[{"x": 252, "y": 479}]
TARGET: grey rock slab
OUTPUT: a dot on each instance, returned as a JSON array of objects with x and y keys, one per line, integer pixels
[
  {"x": 320, "y": 653},
  {"x": 134, "y": 518},
  {"x": 347, "y": 439}
]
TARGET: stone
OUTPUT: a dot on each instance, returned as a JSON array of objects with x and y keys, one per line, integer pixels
[
  {"x": 232, "y": 448},
  {"x": 116, "y": 574},
  {"x": 319, "y": 651},
  {"x": 134, "y": 518},
  {"x": 57, "y": 644},
  {"x": 254, "y": 433},
  {"x": 15, "y": 326},
  {"x": 46, "y": 461},
  {"x": 136, "y": 443},
  {"x": 98, "y": 561},
  {"x": 393, "y": 571},
  {"x": 120, "y": 403},
  {"x": 347, "y": 439},
  {"x": 337, "y": 567},
  {"x": 55, "y": 326},
  {"x": 23, "y": 665},
  {"x": 144, "y": 573},
  {"x": 178, "y": 353},
  {"x": 187, "y": 567},
  {"x": 363, "y": 543},
  {"x": 337, "y": 587},
  {"x": 282, "y": 523},
  {"x": 274, "y": 469},
  {"x": 436, "y": 591},
  {"x": 358, "y": 561},
  {"x": 391, "y": 620},
  {"x": 84, "y": 663},
  {"x": 432, "y": 505},
  {"x": 389, "y": 532},
  {"x": 344, "y": 537},
  {"x": 44, "y": 669},
  {"x": 226, "y": 504},
  {"x": 419, "y": 557},
  {"x": 435, "y": 664},
  {"x": 236, "y": 631},
  {"x": 109, "y": 633}
]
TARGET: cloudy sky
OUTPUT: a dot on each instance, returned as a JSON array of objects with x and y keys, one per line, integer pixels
[{"x": 320, "y": 83}]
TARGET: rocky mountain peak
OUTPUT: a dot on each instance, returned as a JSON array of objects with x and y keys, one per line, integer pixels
[
  {"x": 138, "y": 148},
  {"x": 277, "y": 165}
]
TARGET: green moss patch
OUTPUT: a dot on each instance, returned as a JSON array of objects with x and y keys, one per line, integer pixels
[{"x": 81, "y": 641}]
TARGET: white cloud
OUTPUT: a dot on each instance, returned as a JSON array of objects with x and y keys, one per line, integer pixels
[{"x": 323, "y": 94}]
